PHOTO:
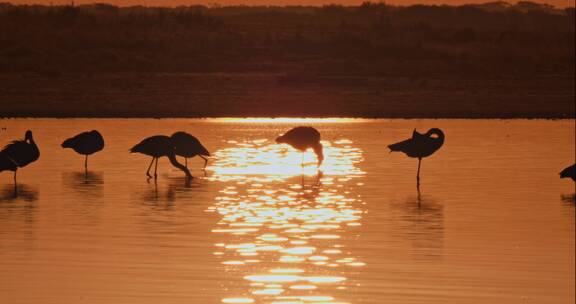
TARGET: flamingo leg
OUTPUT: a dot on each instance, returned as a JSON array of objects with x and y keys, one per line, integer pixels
[
  {"x": 418, "y": 174},
  {"x": 302, "y": 163},
  {"x": 150, "y": 166},
  {"x": 156, "y": 169},
  {"x": 86, "y": 163},
  {"x": 186, "y": 162},
  {"x": 205, "y": 162},
  {"x": 15, "y": 181}
]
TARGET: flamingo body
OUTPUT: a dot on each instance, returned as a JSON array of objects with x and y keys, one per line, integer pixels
[
  {"x": 420, "y": 146},
  {"x": 18, "y": 154},
  {"x": 570, "y": 172},
  {"x": 158, "y": 146},
  {"x": 302, "y": 138},
  {"x": 85, "y": 143},
  {"x": 188, "y": 146},
  {"x": 155, "y": 146}
]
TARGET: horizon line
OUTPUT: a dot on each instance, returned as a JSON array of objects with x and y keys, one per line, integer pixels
[{"x": 216, "y": 5}]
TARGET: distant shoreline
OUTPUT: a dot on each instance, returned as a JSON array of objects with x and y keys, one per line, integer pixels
[
  {"x": 274, "y": 95},
  {"x": 320, "y": 118}
]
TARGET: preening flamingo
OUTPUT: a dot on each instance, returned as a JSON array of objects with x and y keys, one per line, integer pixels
[
  {"x": 18, "y": 154},
  {"x": 85, "y": 143},
  {"x": 420, "y": 146}
]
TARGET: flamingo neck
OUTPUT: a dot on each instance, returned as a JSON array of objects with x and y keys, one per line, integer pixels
[
  {"x": 175, "y": 163},
  {"x": 318, "y": 149}
]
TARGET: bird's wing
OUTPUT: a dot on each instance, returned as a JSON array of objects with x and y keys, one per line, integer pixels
[
  {"x": 19, "y": 152},
  {"x": 70, "y": 142},
  {"x": 14, "y": 148},
  {"x": 400, "y": 146},
  {"x": 6, "y": 163}
]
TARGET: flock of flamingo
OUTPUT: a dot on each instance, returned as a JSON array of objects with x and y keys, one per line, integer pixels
[{"x": 20, "y": 153}]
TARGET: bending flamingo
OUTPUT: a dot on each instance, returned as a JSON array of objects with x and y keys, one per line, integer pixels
[
  {"x": 420, "y": 146},
  {"x": 158, "y": 146},
  {"x": 19, "y": 154},
  {"x": 189, "y": 146},
  {"x": 303, "y": 138},
  {"x": 85, "y": 143}
]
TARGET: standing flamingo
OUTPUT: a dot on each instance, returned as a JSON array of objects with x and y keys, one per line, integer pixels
[
  {"x": 303, "y": 138},
  {"x": 18, "y": 154},
  {"x": 85, "y": 143},
  {"x": 420, "y": 146},
  {"x": 570, "y": 172},
  {"x": 158, "y": 146},
  {"x": 189, "y": 146}
]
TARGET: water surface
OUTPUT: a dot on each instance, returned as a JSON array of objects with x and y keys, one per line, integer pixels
[{"x": 491, "y": 223}]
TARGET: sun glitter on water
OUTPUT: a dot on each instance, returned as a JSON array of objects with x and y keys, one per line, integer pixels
[
  {"x": 264, "y": 157},
  {"x": 283, "y": 225}
]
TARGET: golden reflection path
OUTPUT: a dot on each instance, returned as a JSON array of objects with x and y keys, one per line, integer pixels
[{"x": 284, "y": 226}]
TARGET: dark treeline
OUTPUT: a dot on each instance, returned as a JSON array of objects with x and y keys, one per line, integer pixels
[{"x": 377, "y": 40}]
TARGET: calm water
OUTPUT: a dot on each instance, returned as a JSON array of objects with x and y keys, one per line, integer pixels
[{"x": 492, "y": 222}]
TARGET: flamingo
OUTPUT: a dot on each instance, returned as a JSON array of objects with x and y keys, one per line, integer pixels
[
  {"x": 570, "y": 172},
  {"x": 303, "y": 138},
  {"x": 158, "y": 146},
  {"x": 18, "y": 154},
  {"x": 420, "y": 146},
  {"x": 189, "y": 146},
  {"x": 85, "y": 143}
]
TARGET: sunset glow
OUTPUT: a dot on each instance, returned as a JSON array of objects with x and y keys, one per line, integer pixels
[
  {"x": 287, "y": 151},
  {"x": 559, "y": 3}
]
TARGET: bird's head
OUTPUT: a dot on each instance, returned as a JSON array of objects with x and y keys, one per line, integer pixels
[
  {"x": 28, "y": 136},
  {"x": 435, "y": 131}
]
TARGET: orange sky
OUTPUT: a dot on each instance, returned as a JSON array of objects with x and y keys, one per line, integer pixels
[{"x": 557, "y": 3}]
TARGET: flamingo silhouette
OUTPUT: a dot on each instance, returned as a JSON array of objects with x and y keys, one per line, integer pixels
[
  {"x": 420, "y": 146},
  {"x": 85, "y": 143},
  {"x": 187, "y": 146},
  {"x": 18, "y": 154},
  {"x": 158, "y": 146},
  {"x": 303, "y": 138},
  {"x": 570, "y": 172}
]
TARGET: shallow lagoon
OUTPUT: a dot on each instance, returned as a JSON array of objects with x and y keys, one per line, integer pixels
[{"x": 491, "y": 223}]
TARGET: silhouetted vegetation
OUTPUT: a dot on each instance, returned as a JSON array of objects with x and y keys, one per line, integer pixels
[
  {"x": 370, "y": 39},
  {"x": 330, "y": 45}
]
